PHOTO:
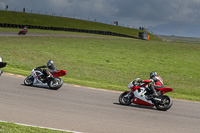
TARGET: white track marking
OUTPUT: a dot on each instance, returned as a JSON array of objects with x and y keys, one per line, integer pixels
[{"x": 44, "y": 127}]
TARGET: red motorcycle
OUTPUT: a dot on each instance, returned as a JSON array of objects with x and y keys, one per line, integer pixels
[
  {"x": 139, "y": 95},
  {"x": 23, "y": 32}
]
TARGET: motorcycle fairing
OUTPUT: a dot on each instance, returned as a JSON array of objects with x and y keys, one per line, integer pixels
[
  {"x": 141, "y": 102},
  {"x": 36, "y": 81},
  {"x": 134, "y": 88},
  {"x": 139, "y": 97}
]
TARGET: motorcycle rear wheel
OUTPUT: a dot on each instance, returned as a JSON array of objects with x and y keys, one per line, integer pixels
[
  {"x": 123, "y": 100},
  {"x": 165, "y": 104},
  {"x": 28, "y": 81},
  {"x": 55, "y": 83}
]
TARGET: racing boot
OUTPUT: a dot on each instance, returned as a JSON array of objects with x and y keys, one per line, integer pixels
[
  {"x": 151, "y": 96},
  {"x": 49, "y": 76}
]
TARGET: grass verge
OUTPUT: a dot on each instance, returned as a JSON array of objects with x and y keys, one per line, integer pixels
[{"x": 7, "y": 127}]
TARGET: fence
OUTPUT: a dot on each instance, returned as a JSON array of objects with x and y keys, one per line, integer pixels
[{"x": 67, "y": 29}]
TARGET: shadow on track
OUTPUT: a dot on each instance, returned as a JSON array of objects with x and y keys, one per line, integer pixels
[
  {"x": 39, "y": 86},
  {"x": 136, "y": 106}
]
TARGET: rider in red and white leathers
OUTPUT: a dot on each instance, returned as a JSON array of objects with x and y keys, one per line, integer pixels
[{"x": 157, "y": 83}]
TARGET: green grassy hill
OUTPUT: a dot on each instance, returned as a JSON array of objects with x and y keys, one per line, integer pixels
[{"x": 54, "y": 21}]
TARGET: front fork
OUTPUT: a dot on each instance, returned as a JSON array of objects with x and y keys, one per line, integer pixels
[{"x": 130, "y": 94}]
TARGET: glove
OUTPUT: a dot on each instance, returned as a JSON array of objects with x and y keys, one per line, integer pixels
[
  {"x": 152, "y": 80},
  {"x": 139, "y": 81},
  {"x": 38, "y": 68}
]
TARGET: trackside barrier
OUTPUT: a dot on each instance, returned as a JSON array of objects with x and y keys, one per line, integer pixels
[{"x": 67, "y": 29}]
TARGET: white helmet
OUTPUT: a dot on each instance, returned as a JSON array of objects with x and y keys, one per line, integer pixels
[
  {"x": 49, "y": 63},
  {"x": 0, "y": 59}
]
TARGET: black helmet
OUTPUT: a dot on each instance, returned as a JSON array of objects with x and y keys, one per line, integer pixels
[
  {"x": 49, "y": 63},
  {"x": 152, "y": 74}
]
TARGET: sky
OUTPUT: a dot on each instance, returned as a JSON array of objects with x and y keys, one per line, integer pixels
[{"x": 162, "y": 17}]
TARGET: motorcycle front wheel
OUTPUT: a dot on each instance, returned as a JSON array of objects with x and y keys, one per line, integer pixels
[
  {"x": 28, "y": 80},
  {"x": 123, "y": 99},
  {"x": 55, "y": 83},
  {"x": 165, "y": 103}
]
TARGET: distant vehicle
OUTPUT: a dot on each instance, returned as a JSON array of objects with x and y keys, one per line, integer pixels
[
  {"x": 38, "y": 78},
  {"x": 23, "y": 31},
  {"x": 139, "y": 96}
]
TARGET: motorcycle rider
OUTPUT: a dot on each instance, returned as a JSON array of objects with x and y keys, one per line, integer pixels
[
  {"x": 2, "y": 64},
  {"x": 25, "y": 28},
  {"x": 157, "y": 83},
  {"x": 51, "y": 68}
]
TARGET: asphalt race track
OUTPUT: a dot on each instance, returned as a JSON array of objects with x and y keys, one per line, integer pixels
[{"x": 88, "y": 110}]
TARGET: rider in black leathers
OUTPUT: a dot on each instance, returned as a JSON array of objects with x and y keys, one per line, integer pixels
[{"x": 48, "y": 72}]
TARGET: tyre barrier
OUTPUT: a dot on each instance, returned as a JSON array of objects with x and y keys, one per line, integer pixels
[{"x": 67, "y": 29}]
